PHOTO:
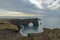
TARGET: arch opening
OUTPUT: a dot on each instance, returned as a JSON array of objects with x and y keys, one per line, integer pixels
[{"x": 30, "y": 24}]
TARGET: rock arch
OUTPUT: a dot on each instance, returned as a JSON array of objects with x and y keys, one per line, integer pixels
[{"x": 25, "y": 22}]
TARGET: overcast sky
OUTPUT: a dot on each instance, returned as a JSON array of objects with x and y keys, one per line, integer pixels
[{"x": 44, "y": 7}]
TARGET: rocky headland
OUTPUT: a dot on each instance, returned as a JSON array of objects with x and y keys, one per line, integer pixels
[{"x": 10, "y": 32}]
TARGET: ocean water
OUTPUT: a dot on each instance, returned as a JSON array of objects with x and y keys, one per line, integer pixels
[{"x": 50, "y": 23}]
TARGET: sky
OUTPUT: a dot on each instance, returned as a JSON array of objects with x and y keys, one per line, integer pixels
[{"x": 47, "y": 8}]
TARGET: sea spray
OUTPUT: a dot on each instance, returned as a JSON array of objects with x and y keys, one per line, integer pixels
[{"x": 30, "y": 29}]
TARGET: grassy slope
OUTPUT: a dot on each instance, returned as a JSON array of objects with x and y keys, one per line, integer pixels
[{"x": 7, "y": 24}]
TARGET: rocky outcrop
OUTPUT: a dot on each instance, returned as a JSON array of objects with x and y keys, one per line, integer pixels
[
  {"x": 15, "y": 23},
  {"x": 25, "y": 22},
  {"x": 10, "y": 34},
  {"x": 48, "y": 34}
]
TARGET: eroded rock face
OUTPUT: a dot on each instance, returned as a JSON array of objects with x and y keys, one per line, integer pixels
[{"x": 48, "y": 34}]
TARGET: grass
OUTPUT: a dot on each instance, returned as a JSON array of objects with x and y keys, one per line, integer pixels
[{"x": 6, "y": 24}]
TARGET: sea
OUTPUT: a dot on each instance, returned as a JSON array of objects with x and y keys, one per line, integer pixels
[{"x": 50, "y": 23}]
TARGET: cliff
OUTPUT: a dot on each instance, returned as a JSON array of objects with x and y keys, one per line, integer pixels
[
  {"x": 48, "y": 34},
  {"x": 9, "y": 31}
]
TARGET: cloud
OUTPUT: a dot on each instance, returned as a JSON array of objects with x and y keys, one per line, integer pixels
[
  {"x": 46, "y": 4},
  {"x": 20, "y": 14},
  {"x": 16, "y": 14},
  {"x": 25, "y": 5},
  {"x": 37, "y": 7},
  {"x": 16, "y": 5},
  {"x": 11, "y": 13}
]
